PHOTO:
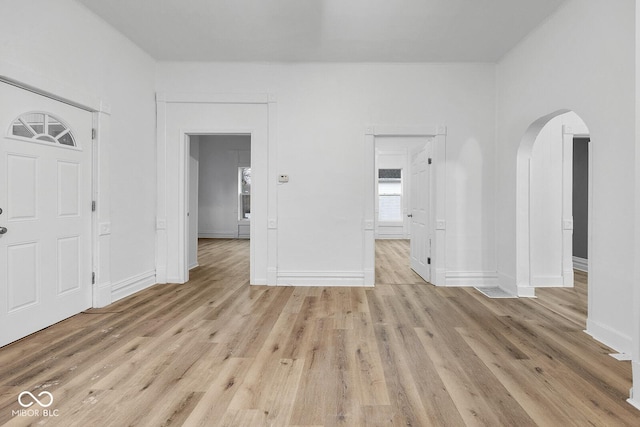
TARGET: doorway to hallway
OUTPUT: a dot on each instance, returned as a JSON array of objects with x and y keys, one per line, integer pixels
[
  {"x": 219, "y": 190},
  {"x": 393, "y": 266},
  {"x": 403, "y": 196}
]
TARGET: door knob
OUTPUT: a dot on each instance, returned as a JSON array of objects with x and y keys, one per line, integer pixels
[{"x": 3, "y": 230}]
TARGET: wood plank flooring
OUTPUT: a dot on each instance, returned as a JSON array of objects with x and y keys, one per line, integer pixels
[{"x": 218, "y": 352}]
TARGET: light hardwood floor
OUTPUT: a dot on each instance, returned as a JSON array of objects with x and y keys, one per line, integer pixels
[{"x": 217, "y": 352}]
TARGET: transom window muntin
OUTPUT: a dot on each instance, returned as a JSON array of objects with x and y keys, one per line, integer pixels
[{"x": 43, "y": 127}]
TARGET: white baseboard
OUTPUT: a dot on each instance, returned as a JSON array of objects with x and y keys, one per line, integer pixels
[
  {"x": 132, "y": 285},
  {"x": 440, "y": 277},
  {"x": 272, "y": 277},
  {"x": 321, "y": 278},
  {"x": 507, "y": 283},
  {"x": 547, "y": 282},
  {"x": 399, "y": 236},
  {"x": 471, "y": 278},
  {"x": 526, "y": 292},
  {"x": 219, "y": 235},
  {"x": 194, "y": 265},
  {"x": 609, "y": 337},
  {"x": 369, "y": 277},
  {"x": 581, "y": 264}
]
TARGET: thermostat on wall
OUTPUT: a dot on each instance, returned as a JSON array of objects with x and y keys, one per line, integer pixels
[{"x": 283, "y": 178}]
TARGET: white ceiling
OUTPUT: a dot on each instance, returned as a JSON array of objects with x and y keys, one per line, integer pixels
[{"x": 325, "y": 30}]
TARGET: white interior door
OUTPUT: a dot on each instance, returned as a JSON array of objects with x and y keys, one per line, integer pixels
[
  {"x": 420, "y": 210},
  {"x": 45, "y": 197}
]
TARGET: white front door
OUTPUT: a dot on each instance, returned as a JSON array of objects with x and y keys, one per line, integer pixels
[
  {"x": 45, "y": 197},
  {"x": 420, "y": 210}
]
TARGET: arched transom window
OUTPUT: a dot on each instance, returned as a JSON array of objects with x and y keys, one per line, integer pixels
[{"x": 43, "y": 127}]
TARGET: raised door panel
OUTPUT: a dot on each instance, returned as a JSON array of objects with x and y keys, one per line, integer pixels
[
  {"x": 22, "y": 274},
  {"x": 68, "y": 265},
  {"x": 68, "y": 189},
  {"x": 22, "y": 191}
]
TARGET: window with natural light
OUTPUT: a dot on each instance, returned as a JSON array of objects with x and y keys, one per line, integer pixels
[
  {"x": 390, "y": 195},
  {"x": 42, "y": 127},
  {"x": 244, "y": 192}
]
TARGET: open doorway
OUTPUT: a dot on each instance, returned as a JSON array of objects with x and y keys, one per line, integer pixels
[
  {"x": 547, "y": 211},
  {"x": 219, "y": 191},
  {"x": 435, "y": 223},
  {"x": 182, "y": 114},
  {"x": 403, "y": 209},
  {"x": 580, "y": 200}
]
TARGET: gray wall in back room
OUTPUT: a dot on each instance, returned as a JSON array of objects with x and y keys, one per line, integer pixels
[{"x": 580, "y": 196}]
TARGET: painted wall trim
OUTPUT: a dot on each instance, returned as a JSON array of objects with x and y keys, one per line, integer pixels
[
  {"x": 471, "y": 278},
  {"x": 218, "y": 235},
  {"x": 321, "y": 278},
  {"x": 581, "y": 264},
  {"x": 609, "y": 337},
  {"x": 438, "y": 177},
  {"x": 166, "y": 256},
  {"x": 547, "y": 281},
  {"x": 102, "y": 294},
  {"x": 213, "y": 98},
  {"x": 393, "y": 130},
  {"x": 40, "y": 83},
  {"x": 130, "y": 286}
]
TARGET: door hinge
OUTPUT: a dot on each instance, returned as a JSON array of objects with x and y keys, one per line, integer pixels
[
  {"x": 429, "y": 261},
  {"x": 430, "y": 160},
  {"x": 93, "y": 206},
  {"x": 93, "y": 278},
  {"x": 93, "y": 133}
]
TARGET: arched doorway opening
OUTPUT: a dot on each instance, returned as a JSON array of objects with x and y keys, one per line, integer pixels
[{"x": 544, "y": 203}]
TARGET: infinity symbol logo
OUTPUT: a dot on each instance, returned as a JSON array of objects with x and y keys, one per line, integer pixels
[{"x": 35, "y": 399}]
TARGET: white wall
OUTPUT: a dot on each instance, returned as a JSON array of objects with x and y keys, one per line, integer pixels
[
  {"x": 323, "y": 110},
  {"x": 582, "y": 59},
  {"x": 64, "y": 46},
  {"x": 220, "y": 157}
]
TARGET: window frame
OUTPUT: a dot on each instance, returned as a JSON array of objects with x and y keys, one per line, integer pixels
[
  {"x": 401, "y": 195},
  {"x": 34, "y": 139}
]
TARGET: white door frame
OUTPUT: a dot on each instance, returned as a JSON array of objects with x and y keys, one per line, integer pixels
[
  {"x": 166, "y": 224},
  {"x": 438, "y": 222},
  {"x": 101, "y": 221}
]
